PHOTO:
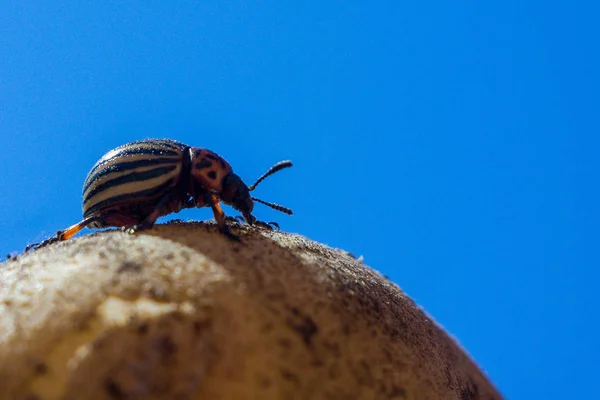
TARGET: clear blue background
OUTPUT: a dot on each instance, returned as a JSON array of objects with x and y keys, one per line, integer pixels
[{"x": 452, "y": 144}]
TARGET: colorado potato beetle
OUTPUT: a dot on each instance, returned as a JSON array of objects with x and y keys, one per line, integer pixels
[{"x": 134, "y": 184}]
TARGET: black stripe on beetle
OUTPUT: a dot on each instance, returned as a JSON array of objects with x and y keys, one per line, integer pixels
[
  {"x": 128, "y": 166},
  {"x": 148, "y": 151},
  {"x": 142, "y": 194},
  {"x": 170, "y": 143},
  {"x": 124, "y": 156},
  {"x": 157, "y": 143},
  {"x": 148, "y": 147},
  {"x": 132, "y": 177}
]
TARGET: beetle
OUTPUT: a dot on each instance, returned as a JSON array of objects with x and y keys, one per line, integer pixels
[{"x": 134, "y": 184}]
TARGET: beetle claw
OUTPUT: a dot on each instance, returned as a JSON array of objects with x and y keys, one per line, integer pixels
[
  {"x": 267, "y": 225},
  {"x": 44, "y": 243},
  {"x": 31, "y": 246}
]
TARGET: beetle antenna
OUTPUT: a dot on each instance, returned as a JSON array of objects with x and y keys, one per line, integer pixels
[
  {"x": 275, "y": 168},
  {"x": 275, "y": 206}
]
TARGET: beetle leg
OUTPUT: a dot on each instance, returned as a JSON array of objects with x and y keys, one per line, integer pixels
[
  {"x": 149, "y": 221},
  {"x": 73, "y": 229},
  {"x": 65, "y": 234},
  {"x": 249, "y": 218},
  {"x": 220, "y": 217},
  {"x": 213, "y": 201}
]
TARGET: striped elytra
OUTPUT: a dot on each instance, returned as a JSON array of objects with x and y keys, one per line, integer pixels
[
  {"x": 134, "y": 184},
  {"x": 132, "y": 174}
]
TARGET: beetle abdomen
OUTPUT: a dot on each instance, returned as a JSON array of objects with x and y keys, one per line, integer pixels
[{"x": 135, "y": 175}]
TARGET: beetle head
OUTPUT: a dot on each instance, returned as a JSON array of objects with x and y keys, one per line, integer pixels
[{"x": 237, "y": 194}]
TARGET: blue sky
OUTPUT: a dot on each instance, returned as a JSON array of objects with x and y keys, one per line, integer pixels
[{"x": 452, "y": 144}]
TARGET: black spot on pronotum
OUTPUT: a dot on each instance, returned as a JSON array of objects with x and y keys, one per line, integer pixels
[
  {"x": 198, "y": 153},
  {"x": 203, "y": 163},
  {"x": 216, "y": 158},
  {"x": 212, "y": 174}
]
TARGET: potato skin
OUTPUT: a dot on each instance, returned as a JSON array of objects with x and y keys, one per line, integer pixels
[{"x": 182, "y": 312}]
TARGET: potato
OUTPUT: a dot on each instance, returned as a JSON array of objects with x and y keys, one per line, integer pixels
[{"x": 181, "y": 312}]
